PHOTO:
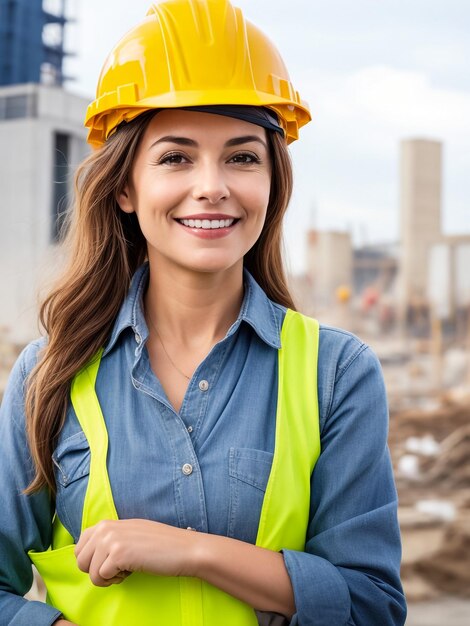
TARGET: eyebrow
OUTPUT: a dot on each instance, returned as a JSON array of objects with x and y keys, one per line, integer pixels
[{"x": 185, "y": 141}]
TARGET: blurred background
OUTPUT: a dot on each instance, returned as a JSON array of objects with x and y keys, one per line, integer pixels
[{"x": 377, "y": 234}]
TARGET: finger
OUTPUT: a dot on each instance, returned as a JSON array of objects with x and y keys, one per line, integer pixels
[
  {"x": 84, "y": 554},
  {"x": 83, "y": 540},
  {"x": 110, "y": 570},
  {"x": 90, "y": 539},
  {"x": 119, "y": 578},
  {"x": 90, "y": 533},
  {"x": 98, "y": 558}
]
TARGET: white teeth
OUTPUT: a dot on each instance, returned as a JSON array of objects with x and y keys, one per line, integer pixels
[{"x": 207, "y": 224}]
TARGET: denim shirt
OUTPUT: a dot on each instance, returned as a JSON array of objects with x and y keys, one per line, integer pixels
[{"x": 349, "y": 571}]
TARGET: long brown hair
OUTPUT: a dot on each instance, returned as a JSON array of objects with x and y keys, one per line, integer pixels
[{"x": 105, "y": 247}]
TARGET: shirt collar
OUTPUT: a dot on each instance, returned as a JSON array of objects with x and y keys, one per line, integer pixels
[
  {"x": 131, "y": 313},
  {"x": 257, "y": 310}
]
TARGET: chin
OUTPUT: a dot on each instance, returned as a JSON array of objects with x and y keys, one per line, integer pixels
[{"x": 213, "y": 266}]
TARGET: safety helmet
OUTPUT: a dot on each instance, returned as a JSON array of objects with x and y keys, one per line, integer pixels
[{"x": 192, "y": 53}]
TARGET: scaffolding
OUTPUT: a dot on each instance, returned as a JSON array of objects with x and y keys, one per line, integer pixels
[{"x": 32, "y": 41}]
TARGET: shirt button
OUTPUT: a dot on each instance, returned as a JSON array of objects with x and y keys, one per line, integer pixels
[
  {"x": 187, "y": 469},
  {"x": 203, "y": 385},
  {"x": 190, "y": 429},
  {"x": 137, "y": 338}
]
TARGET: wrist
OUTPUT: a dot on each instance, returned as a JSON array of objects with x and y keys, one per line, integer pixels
[{"x": 201, "y": 554}]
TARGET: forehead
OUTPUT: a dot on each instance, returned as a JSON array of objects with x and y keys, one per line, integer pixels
[{"x": 199, "y": 126}]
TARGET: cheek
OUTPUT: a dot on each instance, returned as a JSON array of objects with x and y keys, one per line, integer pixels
[
  {"x": 261, "y": 200},
  {"x": 256, "y": 195},
  {"x": 154, "y": 201}
]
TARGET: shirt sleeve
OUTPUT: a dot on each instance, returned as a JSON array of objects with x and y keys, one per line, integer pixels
[
  {"x": 25, "y": 521},
  {"x": 349, "y": 571}
]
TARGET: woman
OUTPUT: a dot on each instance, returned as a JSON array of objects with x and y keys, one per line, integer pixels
[{"x": 177, "y": 390}]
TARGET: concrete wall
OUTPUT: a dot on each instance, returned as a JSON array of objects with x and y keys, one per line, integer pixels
[
  {"x": 26, "y": 201},
  {"x": 329, "y": 263},
  {"x": 448, "y": 288}
]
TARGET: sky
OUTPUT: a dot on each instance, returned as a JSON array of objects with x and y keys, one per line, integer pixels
[{"x": 374, "y": 72}]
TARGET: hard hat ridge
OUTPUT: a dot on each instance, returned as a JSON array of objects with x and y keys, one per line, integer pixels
[
  {"x": 199, "y": 11},
  {"x": 218, "y": 28}
]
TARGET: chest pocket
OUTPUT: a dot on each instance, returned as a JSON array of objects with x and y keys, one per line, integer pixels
[
  {"x": 249, "y": 471},
  {"x": 71, "y": 461}
]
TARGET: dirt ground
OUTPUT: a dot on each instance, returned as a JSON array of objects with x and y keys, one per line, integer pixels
[
  {"x": 443, "y": 612},
  {"x": 430, "y": 452}
]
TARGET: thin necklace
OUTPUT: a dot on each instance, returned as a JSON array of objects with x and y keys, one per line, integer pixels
[{"x": 165, "y": 350}]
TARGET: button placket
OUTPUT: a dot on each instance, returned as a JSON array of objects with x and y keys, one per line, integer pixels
[
  {"x": 190, "y": 483},
  {"x": 189, "y": 488}
]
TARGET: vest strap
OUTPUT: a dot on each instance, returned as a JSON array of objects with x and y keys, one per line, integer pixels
[
  {"x": 284, "y": 519},
  {"x": 99, "y": 502}
]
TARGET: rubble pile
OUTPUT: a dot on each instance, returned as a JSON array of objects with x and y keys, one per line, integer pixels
[
  {"x": 431, "y": 456},
  {"x": 451, "y": 469},
  {"x": 448, "y": 569}
]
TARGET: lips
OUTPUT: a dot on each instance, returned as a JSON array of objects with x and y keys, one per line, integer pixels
[{"x": 207, "y": 216}]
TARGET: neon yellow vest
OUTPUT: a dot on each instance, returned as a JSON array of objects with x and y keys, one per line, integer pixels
[{"x": 149, "y": 600}]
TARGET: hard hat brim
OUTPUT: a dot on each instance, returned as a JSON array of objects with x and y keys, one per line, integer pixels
[{"x": 103, "y": 118}]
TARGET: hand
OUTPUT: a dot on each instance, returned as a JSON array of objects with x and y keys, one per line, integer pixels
[
  {"x": 113, "y": 549},
  {"x": 63, "y": 622}
]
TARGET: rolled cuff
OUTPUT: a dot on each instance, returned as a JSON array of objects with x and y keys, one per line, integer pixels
[
  {"x": 321, "y": 593},
  {"x": 37, "y": 613}
]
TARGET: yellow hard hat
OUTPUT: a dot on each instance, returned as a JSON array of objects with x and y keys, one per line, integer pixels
[{"x": 193, "y": 53}]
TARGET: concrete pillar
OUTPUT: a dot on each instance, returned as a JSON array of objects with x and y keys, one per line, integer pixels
[{"x": 420, "y": 219}]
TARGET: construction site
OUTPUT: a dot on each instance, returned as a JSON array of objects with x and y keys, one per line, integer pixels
[{"x": 410, "y": 301}]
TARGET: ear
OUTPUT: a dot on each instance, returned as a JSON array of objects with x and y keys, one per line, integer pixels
[{"x": 124, "y": 200}]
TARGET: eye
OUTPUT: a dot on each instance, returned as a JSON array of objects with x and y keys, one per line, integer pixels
[
  {"x": 172, "y": 158},
  {"x": 245, "y": 158}
]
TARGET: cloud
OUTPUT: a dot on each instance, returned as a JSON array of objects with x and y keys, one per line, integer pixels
[
  {"x": 400, "y": 101},
  {"x": 406, "y": 101},
  {"x": 448, "y": 57}
]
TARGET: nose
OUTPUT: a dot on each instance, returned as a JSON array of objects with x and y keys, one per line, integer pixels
[{"x": 210, "y": 184}]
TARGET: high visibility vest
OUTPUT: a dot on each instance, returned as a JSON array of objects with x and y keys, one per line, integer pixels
[{"x": 149, "y": 600}]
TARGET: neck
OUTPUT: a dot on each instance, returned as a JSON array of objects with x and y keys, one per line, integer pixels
[{"x": 193, "y": 308}]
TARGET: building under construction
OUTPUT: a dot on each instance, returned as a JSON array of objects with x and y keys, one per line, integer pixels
[
  {"x": 32, "y": 41},
  {"x": 421, "y": 277},
  {"x": 42, "y": 140}
]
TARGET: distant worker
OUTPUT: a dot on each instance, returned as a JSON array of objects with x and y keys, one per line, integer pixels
[
  {"x": 343, "y": 294},
  {"x": 183, "y": 448},
  {"x": 370, "y": 299}
]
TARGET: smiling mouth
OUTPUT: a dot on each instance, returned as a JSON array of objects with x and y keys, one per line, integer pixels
[{"x": 208, "y": 224}]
